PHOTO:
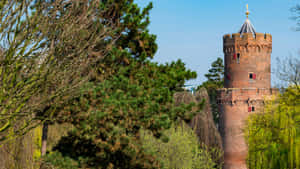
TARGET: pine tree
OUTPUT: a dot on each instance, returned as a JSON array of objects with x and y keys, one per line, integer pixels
[
  {"x": 125, "y": 92},
  {"x": 94, "y": 63},
  {"x": 215, "y": 81},
  {"x": 216, "y": 72}
]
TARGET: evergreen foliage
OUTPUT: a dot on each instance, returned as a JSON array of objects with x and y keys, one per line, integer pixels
[
  {"x": 215, "y": 81},
  {"x": 274, "y": 136},
  {"x": 108, "y": 116},
  {"x": 90, "y": 67},
  {"x": 216, "y": 72}
]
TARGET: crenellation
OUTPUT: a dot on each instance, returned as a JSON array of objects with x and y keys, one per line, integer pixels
[
  {"x": 231, "y": 38},
  {"x": 236, "y": 36},
  {"x": 247, "y": 43},
  {"x": 268, "y": 37},
  {"x": 247, "y": 36},
  {"x": 260, "y": 36}
]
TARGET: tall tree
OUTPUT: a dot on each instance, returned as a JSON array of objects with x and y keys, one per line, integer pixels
[
  {"x": 95, "y": 71},
  {"x": 216, "y": 72},
  {"x": 215, "y": 81},
  {"x": 44, "y": 61}
]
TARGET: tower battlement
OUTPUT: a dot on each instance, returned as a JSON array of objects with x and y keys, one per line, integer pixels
[
  {"x": 247, "y": 42},
  {"x": 231, "y": 38}
]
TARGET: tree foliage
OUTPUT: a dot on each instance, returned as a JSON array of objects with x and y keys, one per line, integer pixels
[
  {"x": 182, "y": 151},
  {"x": 215, "y": 81},
  {"x": 109, "y": 115},
  {"x": 274, "y": 136},
  {"x": 46, "y": 57},
  {"x": 91, "y": 68}
]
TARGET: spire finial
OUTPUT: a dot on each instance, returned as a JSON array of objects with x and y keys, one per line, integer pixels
[{"x": 247, "y": 12}]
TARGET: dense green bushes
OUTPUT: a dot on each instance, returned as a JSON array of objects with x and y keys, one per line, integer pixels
[{"x": 182, "y": 151}]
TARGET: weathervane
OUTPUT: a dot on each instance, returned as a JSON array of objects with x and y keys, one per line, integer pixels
[{"x": 247, "y": 12}]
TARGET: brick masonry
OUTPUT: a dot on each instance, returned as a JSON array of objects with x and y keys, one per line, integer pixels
[{"x": 247, "y": 86}]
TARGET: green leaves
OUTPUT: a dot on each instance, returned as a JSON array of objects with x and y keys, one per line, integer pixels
[
  {"x": 88, "y": 63},
  {"x": 136, "y": 95},
  {"x": 273, "y": 137},
  {"x": 179, "y": 148},
  {"x": 216, "y": 72},
  {"x": 215, "y": 81}
]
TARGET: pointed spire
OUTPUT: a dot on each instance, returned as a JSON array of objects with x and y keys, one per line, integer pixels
[
  {"x": 247, "y": 12},
  {"x": 247, "y": 27}
]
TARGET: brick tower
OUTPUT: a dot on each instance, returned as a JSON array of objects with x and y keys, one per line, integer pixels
[{"x": 247, "y": 84}]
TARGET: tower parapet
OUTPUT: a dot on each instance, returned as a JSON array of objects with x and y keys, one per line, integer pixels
[{"x": 247, "y": 42}]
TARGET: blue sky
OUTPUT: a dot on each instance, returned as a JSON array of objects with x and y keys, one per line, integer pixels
[{"x": 192, "y": 30}]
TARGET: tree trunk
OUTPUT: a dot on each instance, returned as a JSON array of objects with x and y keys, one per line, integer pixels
[{"x": 44, "y": 139}]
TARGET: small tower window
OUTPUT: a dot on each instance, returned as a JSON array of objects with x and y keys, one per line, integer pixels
[
  {"x": 238, "y": 58},
  {"x": 252, "y": 76},
  {"x": 251, "y": 109}
]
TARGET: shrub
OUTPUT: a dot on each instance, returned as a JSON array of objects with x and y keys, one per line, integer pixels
[{"x": 181, "y": 149}]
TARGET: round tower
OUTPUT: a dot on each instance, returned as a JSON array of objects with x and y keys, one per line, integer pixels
[
  {"x": 247, "y": 59},
  {"x": 247, "y": 84}
]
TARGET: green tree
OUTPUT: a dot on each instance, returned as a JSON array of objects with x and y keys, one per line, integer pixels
[
  {"x": 215, "y": 81},
  {"x": 182, "y": 151},
  {"x": 125, "y": 91},
  {"x": 108, "y": 117},
  {"x": 216, "y": 72},
  {"x": 274, "y": 135},
  {"x": 93, "y": 70}
]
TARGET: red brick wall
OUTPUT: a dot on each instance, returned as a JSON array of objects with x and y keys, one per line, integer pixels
[
  {"x": 255, "y": 57},
  {"x": 242, "y": 93},
  {"x": 234, "y": 104}
]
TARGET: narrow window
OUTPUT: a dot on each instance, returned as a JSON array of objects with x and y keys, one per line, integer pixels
[
  {"x": 251, "y": 109},
  {"x": 238, "y": 58},
  {"x": 250, "y": 75}
]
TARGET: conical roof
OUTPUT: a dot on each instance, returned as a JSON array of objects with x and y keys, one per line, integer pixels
[{"x": 247, "y": 27}]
